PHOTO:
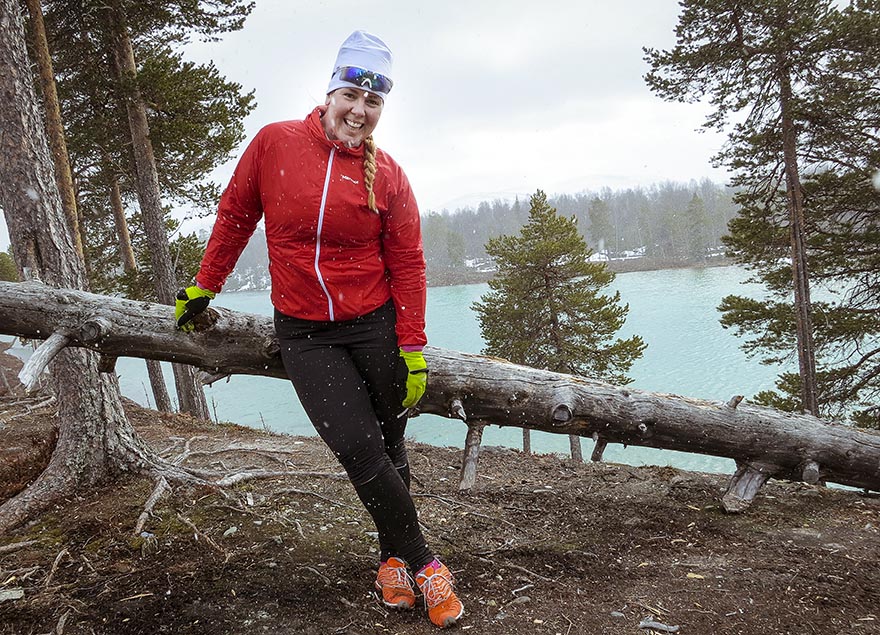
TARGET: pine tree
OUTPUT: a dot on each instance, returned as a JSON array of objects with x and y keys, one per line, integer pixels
[
  {"x": 600, "y": 225},
  {"x": 696, "y": 230},
  {"x": 8, "y": 270},
  {"x": 799, "y": 79},
  {"x": 145, "y": 126},
  {"x": 546, "y": 308},
  {"x": 95, "y": 438},
  {"x": 195, "y": 119}
]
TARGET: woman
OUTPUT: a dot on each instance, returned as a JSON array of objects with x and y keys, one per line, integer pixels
[{"x": 348, "y": 287}]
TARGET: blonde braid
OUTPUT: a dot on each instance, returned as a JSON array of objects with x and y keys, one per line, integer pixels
[{"x": 370, "y": 171}]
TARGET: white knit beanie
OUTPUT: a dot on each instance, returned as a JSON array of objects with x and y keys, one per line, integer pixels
[{"x": 362, "y": 50}]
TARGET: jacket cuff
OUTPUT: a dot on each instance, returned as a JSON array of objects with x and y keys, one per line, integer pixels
[{"x": 207, "y": 287}]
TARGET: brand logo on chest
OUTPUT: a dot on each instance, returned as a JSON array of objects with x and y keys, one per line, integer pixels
[{"x": 348, "y": 178}]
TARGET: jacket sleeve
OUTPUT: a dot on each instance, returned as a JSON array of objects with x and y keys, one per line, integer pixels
[
  {"x": 238, "y": 213},
  {"x": 405, "y": 262}
]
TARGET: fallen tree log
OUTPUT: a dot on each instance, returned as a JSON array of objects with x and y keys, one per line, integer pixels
[{"x": 482, "y": 390}]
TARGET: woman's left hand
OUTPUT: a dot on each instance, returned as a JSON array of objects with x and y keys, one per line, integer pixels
[{"x": 416, "y": 378}]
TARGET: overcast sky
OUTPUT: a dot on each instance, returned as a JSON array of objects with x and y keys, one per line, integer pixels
[{"x": 491, "y": 99}]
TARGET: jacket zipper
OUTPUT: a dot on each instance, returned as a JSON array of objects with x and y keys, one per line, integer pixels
[{"x": 318, "y": 236}]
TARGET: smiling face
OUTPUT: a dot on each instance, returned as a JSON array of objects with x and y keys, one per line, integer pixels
[{"x": 352, "y": 115}]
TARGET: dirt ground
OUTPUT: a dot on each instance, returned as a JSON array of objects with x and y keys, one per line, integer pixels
[{"x": 541, "y": 545}]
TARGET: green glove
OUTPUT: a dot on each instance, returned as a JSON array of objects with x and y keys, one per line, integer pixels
[
  {"x": 417, "y": 379},
  {"x": 190, "y": 302}
]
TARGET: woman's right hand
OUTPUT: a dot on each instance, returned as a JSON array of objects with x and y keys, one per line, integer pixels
[{"x": 190, "y": 302}]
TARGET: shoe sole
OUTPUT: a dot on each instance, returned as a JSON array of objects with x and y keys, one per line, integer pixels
[
  {"x": 452, "y": 621},
  {"x": 403, "y": 605}
]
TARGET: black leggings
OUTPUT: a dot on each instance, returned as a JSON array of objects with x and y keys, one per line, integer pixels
[{"x": 351, "y": 382}]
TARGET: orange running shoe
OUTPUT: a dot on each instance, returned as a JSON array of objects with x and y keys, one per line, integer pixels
[
  {"x": 395, "y": 584},
  {"x": 435, "y": 581}
]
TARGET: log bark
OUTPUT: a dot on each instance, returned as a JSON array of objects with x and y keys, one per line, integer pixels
[{"x": 482, "y": 389}]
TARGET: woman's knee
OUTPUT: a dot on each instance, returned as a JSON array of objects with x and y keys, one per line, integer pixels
[
  {"x": 364, "y": 464},
  {"x": 397, "y": 452}
]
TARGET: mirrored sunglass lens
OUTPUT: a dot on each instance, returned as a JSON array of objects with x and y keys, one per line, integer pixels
[{"x": 365, "y": 79}]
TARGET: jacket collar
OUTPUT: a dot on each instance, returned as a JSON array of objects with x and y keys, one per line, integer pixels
[{"x": 316, "y": 129}]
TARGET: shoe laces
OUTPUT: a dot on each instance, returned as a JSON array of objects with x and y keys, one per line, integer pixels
[
  {"x": 437, "y": 588},
  {"x": 395, "y": 577}
]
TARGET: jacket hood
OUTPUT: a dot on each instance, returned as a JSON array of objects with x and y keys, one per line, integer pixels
[{"x": 316, "y": 129}]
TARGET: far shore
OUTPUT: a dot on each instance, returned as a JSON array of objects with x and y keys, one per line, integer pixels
[
  {"x": 449, "y": 277},
  {"x": 452, "y": 277}
]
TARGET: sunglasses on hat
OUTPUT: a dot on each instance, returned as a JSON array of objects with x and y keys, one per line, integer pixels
[{"x": 365, "y": 79}]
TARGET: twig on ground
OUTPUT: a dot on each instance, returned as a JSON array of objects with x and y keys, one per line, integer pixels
[
  {"x": 343, "y": 629},
  {"x": 22, "y": 574},
  {"x": 506, "y": 522},
  {"x": 186, "y": 521},
  {"x": 659, "y": 611},
  {"x": 88, "y": 563},
  {"x": 321, "y": 496},
  {"x": 451, "y": 503},
  {"x": 59, "y": 627},
  {"x": 160, "y": 489},
  {"x": 266, "y": 454},
  {"x": 15, "y": 546},
  {"x": 522, "y": 588},
  {"x": 507, "y": 543},
  {"x": 657, "y": 626},
  {"x": 241, "y": 477},
  {"x": 524, "y": 570},
  {"x": 520, "y": 509},
  {"x": 54, "y": 568},
  {"x": 518, "y": 568},
  {"x": 319, "y": 574},
  {"x": 29, "y": 409}
]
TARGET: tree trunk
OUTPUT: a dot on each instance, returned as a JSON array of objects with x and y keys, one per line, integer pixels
[
  {"x": 129, "y": 265},
  {"x": 123, "y": 236},
  {"x": 95, "y": 438},
  {"x": 800, "y": 274},
  {"x": 189, "y": 393},
  {"x": 472, "y": 387},
  {"x": 54, "y": 127},
  {"x": 157, "y": 385}
]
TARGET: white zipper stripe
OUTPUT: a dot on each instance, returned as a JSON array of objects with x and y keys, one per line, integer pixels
[{"x": 318, "y": 236}]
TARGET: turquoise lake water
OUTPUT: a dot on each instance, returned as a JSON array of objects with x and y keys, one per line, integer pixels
[{"x": 674, "y": 311}]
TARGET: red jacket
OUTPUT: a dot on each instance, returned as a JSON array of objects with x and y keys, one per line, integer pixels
[{"x": 330, "y": 257}]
